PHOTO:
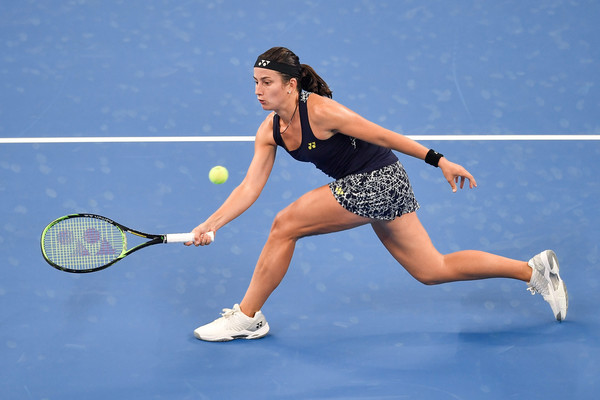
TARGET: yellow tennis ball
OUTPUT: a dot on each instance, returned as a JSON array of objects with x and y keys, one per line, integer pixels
[{"x": 218, "y": 175}]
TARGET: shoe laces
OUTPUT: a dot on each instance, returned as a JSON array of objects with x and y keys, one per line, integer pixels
[
  {"x": 538, "y": 284},
  {"x": 228, "y": 312}
]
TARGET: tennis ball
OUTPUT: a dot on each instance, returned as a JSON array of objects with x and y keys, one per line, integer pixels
[{"x": 218, "y": 175}]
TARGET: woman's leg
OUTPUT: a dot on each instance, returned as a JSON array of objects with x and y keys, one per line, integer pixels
[
  {"x": 406, "y": 239},
  {"x": 316, "y": 212}
]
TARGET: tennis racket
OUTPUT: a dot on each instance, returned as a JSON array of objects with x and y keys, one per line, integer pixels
[{"x": 82, "y": 243}]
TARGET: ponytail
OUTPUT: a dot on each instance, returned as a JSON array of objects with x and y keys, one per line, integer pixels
[
  {"x": 309, "y": 80},
  {"x": 312, "y": 82}
]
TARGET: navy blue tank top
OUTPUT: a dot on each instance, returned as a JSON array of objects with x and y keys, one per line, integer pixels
[{"x": 338, "y": 156}]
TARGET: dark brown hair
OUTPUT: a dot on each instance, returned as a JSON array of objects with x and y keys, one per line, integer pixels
[{"x": 309, "y": 79}]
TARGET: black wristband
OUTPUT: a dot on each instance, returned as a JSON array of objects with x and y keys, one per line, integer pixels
[{"x": 433, "y": 157}]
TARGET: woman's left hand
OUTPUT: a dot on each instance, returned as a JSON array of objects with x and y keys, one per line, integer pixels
[{"x": 455, "y": 172}]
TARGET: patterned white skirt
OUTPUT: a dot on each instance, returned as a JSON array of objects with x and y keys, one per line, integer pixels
[{"x": 382, "y": 194}]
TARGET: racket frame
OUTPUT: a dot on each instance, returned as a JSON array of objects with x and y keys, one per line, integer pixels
[{"x": 154, "y": 239}]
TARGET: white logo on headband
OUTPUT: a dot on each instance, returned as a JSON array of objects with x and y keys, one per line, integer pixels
[{"x": 263, "y": 63}]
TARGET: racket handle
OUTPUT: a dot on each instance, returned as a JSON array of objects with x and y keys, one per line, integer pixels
[{"x": 185, "y": 237}]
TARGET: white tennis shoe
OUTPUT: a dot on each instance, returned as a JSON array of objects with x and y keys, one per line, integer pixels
[
  {"x": 233, "y": 324},
  {"x": 546, "y": 281}
]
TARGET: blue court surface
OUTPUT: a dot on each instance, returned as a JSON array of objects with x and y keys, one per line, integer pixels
[{"x": 347, "y": 322}]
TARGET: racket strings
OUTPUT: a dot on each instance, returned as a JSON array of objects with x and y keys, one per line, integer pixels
[{"x": 83, "y": 243}]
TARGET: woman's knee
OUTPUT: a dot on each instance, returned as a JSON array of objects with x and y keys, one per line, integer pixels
[
  {"x": 428, "y": 279},
  {"x": 283, "y": 224},
  {"x": 429, "y": 273}
]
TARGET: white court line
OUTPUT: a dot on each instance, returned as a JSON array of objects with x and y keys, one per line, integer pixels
[
  {"x": 156, "y": 139},
  {"x": 127, "y": 139}
]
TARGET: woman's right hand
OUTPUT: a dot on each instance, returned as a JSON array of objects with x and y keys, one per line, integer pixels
[{"x": 201, "y": 236}]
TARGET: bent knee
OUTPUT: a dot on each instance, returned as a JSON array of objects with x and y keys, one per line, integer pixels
[
  {"x": 427, "y": 279},
  {"x": 283, "y": 224},
  {"x": 430, "y": 274},
  {"x": 430, "y": 280}
]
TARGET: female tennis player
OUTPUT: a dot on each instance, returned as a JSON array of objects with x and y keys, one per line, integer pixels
[{"x": 370, "y": 187}]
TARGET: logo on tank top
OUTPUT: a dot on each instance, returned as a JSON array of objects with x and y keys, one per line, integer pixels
[{"x": 312, "y": 145}]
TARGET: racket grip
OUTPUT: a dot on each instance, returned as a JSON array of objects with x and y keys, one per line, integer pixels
[{"x": 185, "y": 237}]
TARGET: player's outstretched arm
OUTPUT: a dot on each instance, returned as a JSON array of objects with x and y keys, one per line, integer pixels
[{"x": 246, "y": 193}]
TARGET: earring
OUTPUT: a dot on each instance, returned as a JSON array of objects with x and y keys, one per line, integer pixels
[{"x": 289, "y": 91}]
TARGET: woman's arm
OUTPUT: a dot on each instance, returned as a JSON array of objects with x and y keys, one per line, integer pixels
[
  {"x": 327, "y": 117},
  {"x": 246, "y": 193}
]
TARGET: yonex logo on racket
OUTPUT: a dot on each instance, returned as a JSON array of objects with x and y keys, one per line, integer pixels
[{"x": 263, "y": 63}]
